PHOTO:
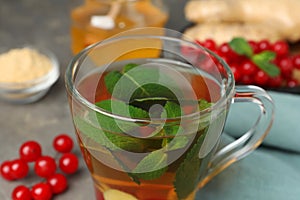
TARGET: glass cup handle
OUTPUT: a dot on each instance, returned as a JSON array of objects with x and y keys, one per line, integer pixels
[{"x": 251, "y": 139}]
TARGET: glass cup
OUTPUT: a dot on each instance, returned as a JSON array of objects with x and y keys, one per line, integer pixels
[{"x": 149, "y": 111}]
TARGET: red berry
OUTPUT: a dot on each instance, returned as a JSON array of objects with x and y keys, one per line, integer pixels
[
  {"x": 286, "y": 67},
  {"x": 19, "y": 168},
  {"x": 275, "y": 81},
  {"x": 296, "y": 61},
  {"x": 261, "y": 78},
  {"x": 253, "y": 45},
  {"x": 45, "y": 166},
  {"x": 63, "y": 143},
  {"x": 292, "y": 83},
  {"x": 246, "y": 79},
  {"x": 41, "y": 191},
  {"x": 226, "y": 59},
  {"x": 6, "y": 171},
  {"x": 264, "y": 45},
  {"x": 281, "y": 48},
  {"x": 30, "y": 151},
  {"x": 225, "y": 51},
  {"x": 248, "y": 68},
  {"x": 21, "y": 192},
  {"x": 236, "y": 73},
  {"x": 68, "y": 163},
  {"x": 58, "y": 183},
  {"x": 220, "y": 68},
  {"x": 210, "y": 44}
]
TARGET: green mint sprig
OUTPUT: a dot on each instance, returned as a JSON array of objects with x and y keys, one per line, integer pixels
[
  {"x": 263, "y": 60},
  {"x": 172, "y": 136}
]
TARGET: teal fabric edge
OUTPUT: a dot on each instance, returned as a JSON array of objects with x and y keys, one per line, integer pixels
[
  {"x": 273, "y": 170},
  {"x": 285, "y": 131},
  {"x": 264, "y": 174}
]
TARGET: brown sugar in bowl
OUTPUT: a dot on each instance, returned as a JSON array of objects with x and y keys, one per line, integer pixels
[{"x": 26, "y": 74}]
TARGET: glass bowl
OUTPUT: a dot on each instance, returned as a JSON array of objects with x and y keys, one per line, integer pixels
[{"x": 31, "y": 90}]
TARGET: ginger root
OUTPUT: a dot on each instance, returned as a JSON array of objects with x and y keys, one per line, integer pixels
[{"x": 280, "y": 16}]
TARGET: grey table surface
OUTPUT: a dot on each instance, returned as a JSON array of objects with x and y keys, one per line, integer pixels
[{"x": 46, "y": 23}]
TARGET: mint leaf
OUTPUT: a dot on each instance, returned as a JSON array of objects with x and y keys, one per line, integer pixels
[
  {"x": 112, "y": 142},
  {"x": 125, "y": 134},
  {"x": 138, "y": 84},
  {"x": 128, "y": 67},
  {"x": 203, "y": 104},
  {"x": 188, "y": 173},
  {"x": 98, "y": 136},
  {"x": 178, "y": 142},
  {"x": 107, "y": 139},
  {"x": 151, "y": 166},
  {"x": 205, "y": 119},
  {"x": 111, "y": 80},
  {"x": 266, "y": 56},
  {"x": 262, "y": 60},
  {"x": 90, "y": 131},
  {"x": 152, "y": 90},
  {"x": 171, "y": 110},
  {"x": 241, "y": 47},
  {"x": 111, "y": 133},
  {"x": 122, "y": 109}
]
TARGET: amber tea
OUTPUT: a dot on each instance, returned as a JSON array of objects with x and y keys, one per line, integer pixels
[{"x": 156, "y": 157}]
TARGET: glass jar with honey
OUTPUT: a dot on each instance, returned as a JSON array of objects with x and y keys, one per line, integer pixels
[{"x": 96, "y": 20}]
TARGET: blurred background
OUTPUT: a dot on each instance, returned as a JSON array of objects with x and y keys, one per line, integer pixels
[{"x": 50, "y": 24}]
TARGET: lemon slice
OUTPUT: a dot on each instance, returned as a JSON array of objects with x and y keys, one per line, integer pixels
[{"x": 113, "y": 194}]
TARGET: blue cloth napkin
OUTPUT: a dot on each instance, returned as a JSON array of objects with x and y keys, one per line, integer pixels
[{"x": 273, "y": 170}]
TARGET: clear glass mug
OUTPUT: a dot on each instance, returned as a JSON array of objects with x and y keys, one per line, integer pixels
[{"x": 149, "y": 111}]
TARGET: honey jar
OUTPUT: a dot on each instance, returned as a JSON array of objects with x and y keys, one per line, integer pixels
[{"x": 96, "y": 20}]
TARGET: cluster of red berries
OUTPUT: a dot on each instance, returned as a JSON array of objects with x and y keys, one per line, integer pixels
[
  {"x": 246, "y": 72},
  {"x": 44, "y": 166}
]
